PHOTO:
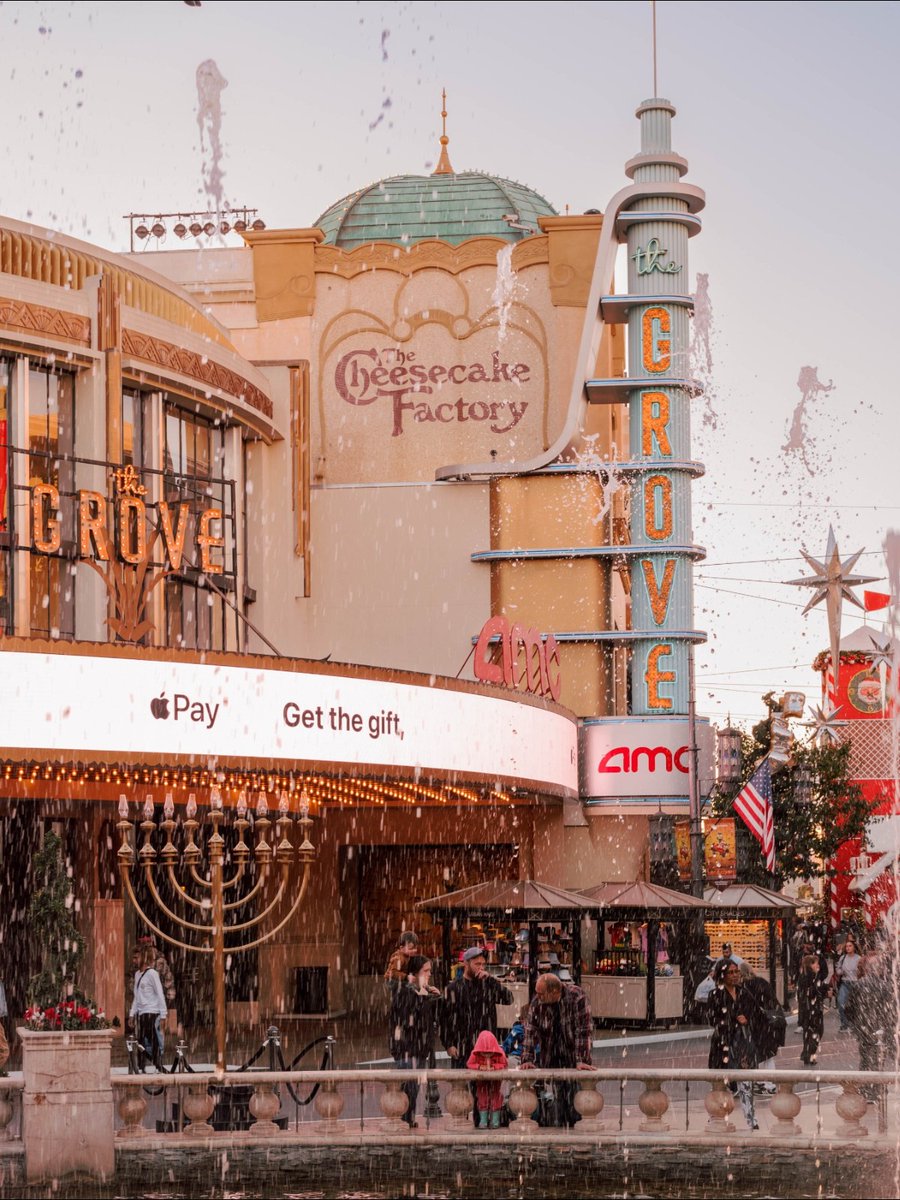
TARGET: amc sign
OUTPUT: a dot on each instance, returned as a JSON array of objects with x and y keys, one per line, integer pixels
[{"x": 642, "y": 758}]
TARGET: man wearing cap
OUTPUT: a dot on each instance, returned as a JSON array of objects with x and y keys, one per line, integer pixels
[{"x": 470, "y": 1006}]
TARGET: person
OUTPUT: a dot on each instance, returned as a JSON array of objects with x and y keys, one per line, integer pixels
[
  {"x": 809, "y": 951},
  {"x": 149, "y": 1004},
  {"x": 558, "y": 1033},
  {"x": 470, "y": 1005},
  {"x": 412, "y": 1025},
  {"x": 767, "y": 1025},
  {"x": 872, "y": 1011},
  {"x": 162, "y": 968},
  {"x": 731, "y": 1011},
  {"x": 487, "y": 1056},
  {"x": 846, "y": 977},
  {"x": 512, "y": 1043},
  {"x": 396, "y": 971},
  {"x": 4, "y": 1047},
  {"x": 727, "y": 956},
  {"x": 812, "y": 990}
]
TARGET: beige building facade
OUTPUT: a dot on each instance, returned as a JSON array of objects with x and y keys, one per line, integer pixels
[{"x": 244, "y": 458}]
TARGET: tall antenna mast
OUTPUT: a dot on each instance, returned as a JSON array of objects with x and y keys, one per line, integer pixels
[{"x": 653, "y": 10}]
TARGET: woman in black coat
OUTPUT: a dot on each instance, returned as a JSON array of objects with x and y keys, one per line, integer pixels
[
  {"x": 414, "y": 1013},
  {"x": 732, "y": 1011},
  {"x": 812, "y": 991}
]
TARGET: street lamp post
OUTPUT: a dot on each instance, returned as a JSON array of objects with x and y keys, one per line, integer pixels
[{"x": 218, "y": 927}]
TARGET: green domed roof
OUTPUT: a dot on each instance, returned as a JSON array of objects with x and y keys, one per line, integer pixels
[{"x": 410, "y": 208}]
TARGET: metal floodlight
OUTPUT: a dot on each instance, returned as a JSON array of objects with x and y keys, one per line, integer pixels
[
  {"x": 209, "y": 228},
  {"x": 180, "y": 230},
  {"x": 196, "y": 228},
  {"x": 224, "y": 228},
  {"x": 240, "y": 226},
  {"x": 258, "y": 225},
  {"x": 142, "y": 232},
  {"x": 729, "y": 754},
  {"x": 158, "y": 229}
]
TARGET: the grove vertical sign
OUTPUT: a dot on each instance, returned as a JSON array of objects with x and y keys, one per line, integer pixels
[{"x": 659, "y": 414}]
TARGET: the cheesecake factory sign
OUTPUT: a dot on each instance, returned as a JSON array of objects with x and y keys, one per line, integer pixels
[
  {"x": 412, "y": 374},
  {"x": 414, "y": 390},
  {"x": 120, "y": 527}
]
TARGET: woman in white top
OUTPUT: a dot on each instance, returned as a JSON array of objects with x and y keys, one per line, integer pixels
[
  {"x": 149, "y": 1004},
  {"x": 846, "y": 971}
]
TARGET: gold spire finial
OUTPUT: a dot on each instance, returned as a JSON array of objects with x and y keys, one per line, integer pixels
[{"x": 443, "y": 167}]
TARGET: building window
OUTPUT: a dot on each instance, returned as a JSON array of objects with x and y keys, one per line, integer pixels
[
  {"x": 196, "y": 615},
  {"x": 5, "y": 474},
  {"x": 133, "y": 428},
  {"x": 51, "y": 446}
]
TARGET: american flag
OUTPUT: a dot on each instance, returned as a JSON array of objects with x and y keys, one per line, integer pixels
[{"x": 753, "y": 805}]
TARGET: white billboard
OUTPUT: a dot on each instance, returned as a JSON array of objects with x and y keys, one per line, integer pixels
[
  {"x": 208, "y": 713},
  {"x": 642, "y": 758}
]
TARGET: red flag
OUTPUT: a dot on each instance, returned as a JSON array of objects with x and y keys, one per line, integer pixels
[{"x": 872, "y": 601}]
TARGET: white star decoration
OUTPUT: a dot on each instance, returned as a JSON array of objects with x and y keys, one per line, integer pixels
[
  {"x": 883, "y": 655},
  {"x": 832, "y": 582},
  {"x": 825, "y": 725}
]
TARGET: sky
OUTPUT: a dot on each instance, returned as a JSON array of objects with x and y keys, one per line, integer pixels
[{"x": 786, "y": 114}]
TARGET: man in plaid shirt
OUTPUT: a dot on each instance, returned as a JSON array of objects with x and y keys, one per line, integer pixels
[{"x": 559, "y": 1031}]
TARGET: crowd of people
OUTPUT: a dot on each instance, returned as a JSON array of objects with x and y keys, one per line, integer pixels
[
  {"x": 554, "y": 1030},
  {"x": 749, "y": 1025}
]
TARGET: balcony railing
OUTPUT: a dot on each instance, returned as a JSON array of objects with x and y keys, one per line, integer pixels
[{"x": 671, "y": 1106}]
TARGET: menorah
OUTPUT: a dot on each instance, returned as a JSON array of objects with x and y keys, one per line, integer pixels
[{"x": 214, "y": 933}]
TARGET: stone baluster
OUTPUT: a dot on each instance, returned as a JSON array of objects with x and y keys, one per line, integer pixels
[
  {"x": 784, "y": 1107},
  {"x": 198, "y": 1105},
  {"x": 329, "y": 1103},
  {"x": 523, "y": 1103},
  {"x": 719, "y": 1104},
  {"x": 7, "y": 1108},
  {"x": 589, "y": 1102},
  {"x": 654, "y": 1104},
  {"x": 851, "y": 1108},
  {"x": 459, "y": 1103},
  {"x": 132, "y": 1108},
  {"x": 264, "y": 1106},
  {"x": 393, "y": 1103}
]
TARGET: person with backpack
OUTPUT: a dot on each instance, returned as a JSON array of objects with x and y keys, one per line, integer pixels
[{"x": 149, "y": 1005}]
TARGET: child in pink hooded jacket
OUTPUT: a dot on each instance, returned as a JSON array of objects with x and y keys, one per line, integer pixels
[{"x": 488, "y": 1056}]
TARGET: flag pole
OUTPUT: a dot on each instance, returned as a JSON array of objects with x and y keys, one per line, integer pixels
[{"x": 694, "y": 784}]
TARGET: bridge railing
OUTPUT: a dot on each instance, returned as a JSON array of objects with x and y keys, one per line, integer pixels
[{"x": 668, "y": 1104}]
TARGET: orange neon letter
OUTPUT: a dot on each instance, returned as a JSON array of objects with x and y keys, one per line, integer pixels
[
  {"x": 653, "y": 424},
  {"x": 656, "y": 348}
]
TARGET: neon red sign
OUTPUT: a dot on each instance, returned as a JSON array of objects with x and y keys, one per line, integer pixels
[
  {"x": 630, "y": 759},
  {"x": 540, "y": 671}
]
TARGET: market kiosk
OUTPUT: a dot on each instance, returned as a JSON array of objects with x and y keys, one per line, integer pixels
[
  {"x": 640, "y": 924},
  {"x": 754, "y": 920},
  {"x": 524, "y": 926}
]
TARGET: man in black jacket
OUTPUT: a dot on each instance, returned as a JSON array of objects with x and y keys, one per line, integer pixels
[{"x": 470, "y": 1005}]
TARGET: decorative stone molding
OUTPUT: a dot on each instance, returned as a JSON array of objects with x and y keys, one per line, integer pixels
[
  {"x": 433, "y": 254},
  {"x": 572, "y": 250},
  {"x": 195, "y": 366},
  {"x": 37, "y": 318}
]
